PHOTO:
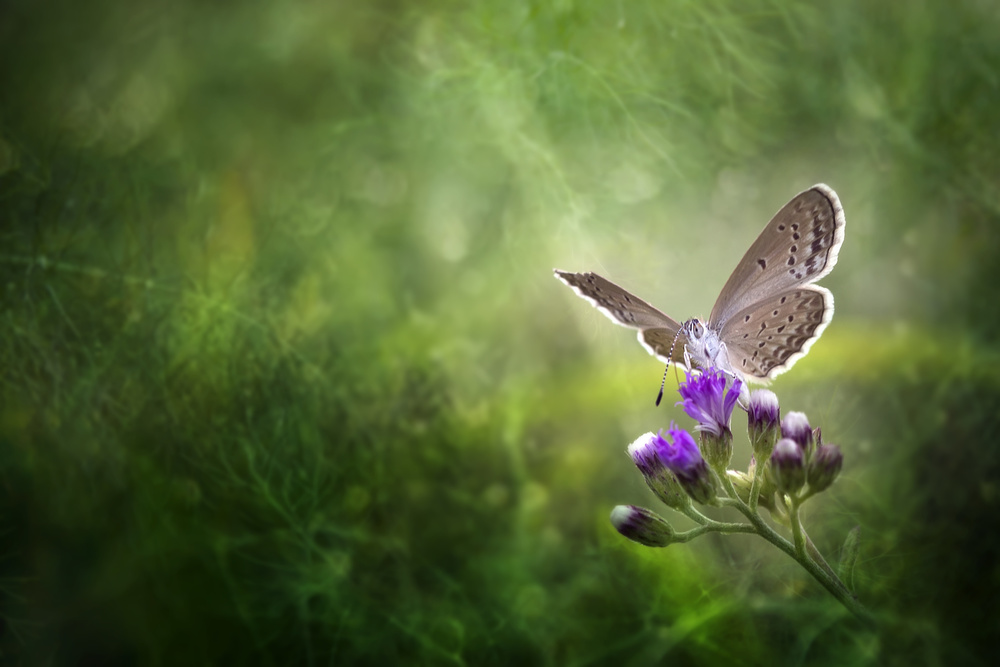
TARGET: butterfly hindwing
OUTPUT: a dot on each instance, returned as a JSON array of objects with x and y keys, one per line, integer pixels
[
  {"x": 660, "y": 343},
  {"x": 767, "y": 337}
]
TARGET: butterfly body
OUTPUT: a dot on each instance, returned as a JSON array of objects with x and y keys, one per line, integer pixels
[
  {"x": 768, "y": 314},
  {"x": 704, "y": 346}
]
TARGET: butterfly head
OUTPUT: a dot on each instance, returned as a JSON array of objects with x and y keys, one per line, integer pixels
[
  {"x": 703, "y": 345},
  {"x": 694, "y": 329}
]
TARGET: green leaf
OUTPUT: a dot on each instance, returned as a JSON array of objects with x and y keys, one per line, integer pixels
[{"x": 849, "y": 557}]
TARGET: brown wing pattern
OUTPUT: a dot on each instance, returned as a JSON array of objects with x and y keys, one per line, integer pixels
[
  {"x": 769, "y": 313},
  {"x": 765, "y": 339},
  {"x": 617, "y": 303},
  {"x": 659, "y": 342},
  {"x": 798, "y": 246},
  {"x": 656, "y": 329}
]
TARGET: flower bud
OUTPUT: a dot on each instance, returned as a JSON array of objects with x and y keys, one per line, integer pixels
[
  {"x": 788, "y": 466},
  {"x": 765, "y": 496},
  {"x": 742, "y": 482},
  {"x": 763, "y": 424},
  {"x": 824, "y": 467},
  {"x": 658, "y": 478},
  {"x": 641, "y": 525},
  {"x": 795, "y": 426},
  {"x": 680, "y": 454}
]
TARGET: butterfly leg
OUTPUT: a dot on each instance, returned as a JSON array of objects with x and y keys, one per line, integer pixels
[{"x": 723, "y": 363}]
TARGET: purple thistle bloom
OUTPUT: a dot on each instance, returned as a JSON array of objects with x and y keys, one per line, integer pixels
[
  {"x": 641, "y": 525},
  {"x": 763, "y": 422},
  {"x": 824, "y": 467},
  {"x": 658, "y": 477},
  {"x": 681, "y": 456},
  {"x": 680, "y": 452},
  {"x": 788, "y": 466},
  {"x": 706, "y": 400},
  {"x": 763, "y": 410},
  {"x": 795, "y": 426}
]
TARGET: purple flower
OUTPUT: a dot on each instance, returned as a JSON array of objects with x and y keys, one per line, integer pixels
[
  {"x": 658, "y": 477},
  {"x": 763, "y": 411},
  {"x": 788, "y": 466},
  {"x": 679, "y": 453},
  {"x": 795, "y": 426},
  {"x": 763, "y": 422},
  {"x": 706, "y": 400},
  {"x": 641, "y": 525},
  {"x": 824, "y": 467}
]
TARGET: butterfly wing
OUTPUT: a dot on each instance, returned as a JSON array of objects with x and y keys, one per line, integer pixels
[
  {"x": 657, "y": 331},
  {"x": 797, "y": 247},
  {"x": 767, "y": 338}
]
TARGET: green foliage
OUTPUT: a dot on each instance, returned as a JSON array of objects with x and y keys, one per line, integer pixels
[{"x": 286, "y": 378}]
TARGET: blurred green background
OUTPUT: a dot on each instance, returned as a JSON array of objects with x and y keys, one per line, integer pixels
[{"x": 287, "y": 379}]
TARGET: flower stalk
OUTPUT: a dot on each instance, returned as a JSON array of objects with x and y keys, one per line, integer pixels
[{"x": 790, "y": 465}]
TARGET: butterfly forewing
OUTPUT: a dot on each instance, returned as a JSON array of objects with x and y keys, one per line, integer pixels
[
  {"x": 799, "y": 246},
  {"x": 657, "y": 331},
  {"x": 766, "y": 338}
]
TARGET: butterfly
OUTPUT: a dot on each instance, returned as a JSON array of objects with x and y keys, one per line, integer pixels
[{"x": 769, "y": 312}]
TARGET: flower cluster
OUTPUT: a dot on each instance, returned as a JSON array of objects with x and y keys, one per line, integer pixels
[
  {"x": 801, "y": 458},
  {"x": 790, "y": 464}
]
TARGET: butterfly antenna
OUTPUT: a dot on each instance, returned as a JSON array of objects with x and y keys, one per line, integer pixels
[
  {"x": 659, "y": 397},
  {"x": 670, "y": 355}
]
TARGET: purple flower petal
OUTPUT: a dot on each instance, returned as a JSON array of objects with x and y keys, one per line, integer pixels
[
  {"x": 707, "y": 401},
  {"x": 679, "y": 452}
]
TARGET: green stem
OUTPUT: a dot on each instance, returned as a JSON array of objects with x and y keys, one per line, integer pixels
[
  {"x": 818, "y": 557},
  {"x": 793, "y": 516},
  {"x": 804, "y": 545},
  {"x": 755, "y": 490},
  {"x": 827, "y": 579},
  {"x": 714, "y": 527},
  {"x": 692, "y": 513}
]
